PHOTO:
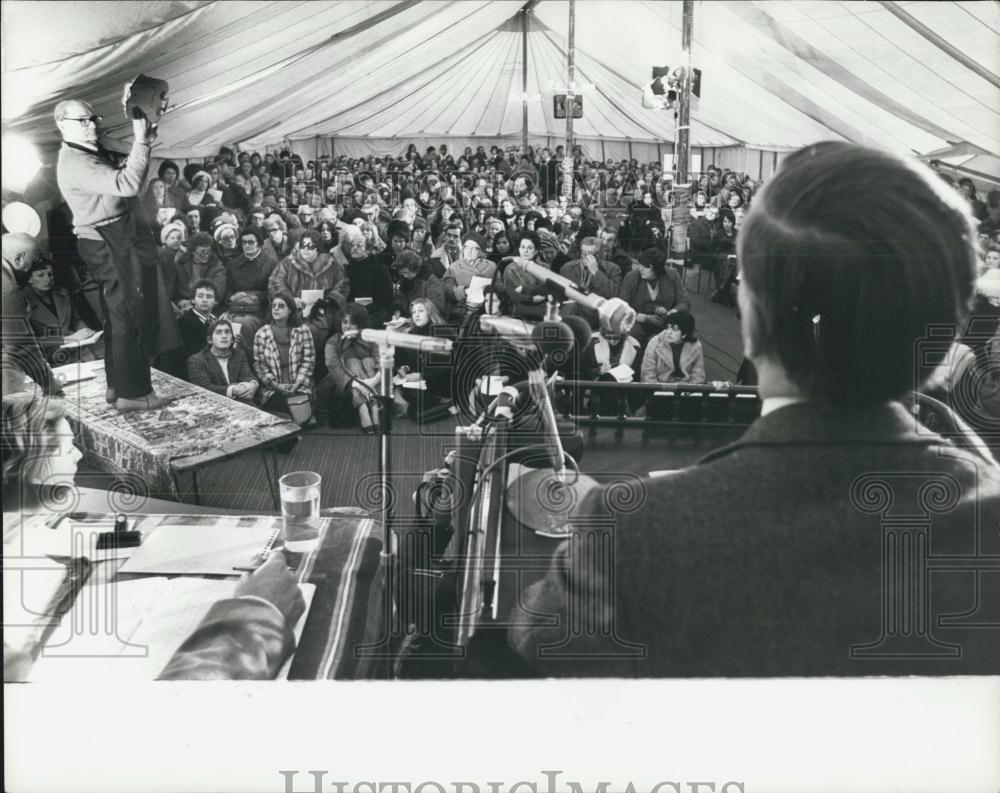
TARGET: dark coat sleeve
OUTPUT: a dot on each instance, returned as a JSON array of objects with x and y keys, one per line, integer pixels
[
  {"x": 239, "y": 639},
  {"x": 200, "y": 375}
]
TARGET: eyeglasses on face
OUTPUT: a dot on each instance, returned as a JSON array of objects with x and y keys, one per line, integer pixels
[
  {"x": 86, "y": 119},
  {"x": 307, "y": 246}
]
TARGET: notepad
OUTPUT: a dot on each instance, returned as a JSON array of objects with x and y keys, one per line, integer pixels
[
  {"x": 623, "y": 373},
  {"x": 201, "y": 550}
]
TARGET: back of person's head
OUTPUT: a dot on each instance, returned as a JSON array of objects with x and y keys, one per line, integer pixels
[
  {"x": 841, "y": 278},
  {"x": 993, "y": 199},
  {"x": 409, "y": 261}
]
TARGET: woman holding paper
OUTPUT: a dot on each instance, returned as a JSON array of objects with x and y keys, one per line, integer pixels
[
  {"x": 284, "y": 356},
  {"x": 307, "y": 270}
]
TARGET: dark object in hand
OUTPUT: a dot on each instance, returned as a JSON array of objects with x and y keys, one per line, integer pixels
[{"x": 145, "y": 97}]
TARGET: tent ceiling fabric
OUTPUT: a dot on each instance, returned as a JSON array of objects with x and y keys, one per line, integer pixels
[{"x": 909, "y": 76}]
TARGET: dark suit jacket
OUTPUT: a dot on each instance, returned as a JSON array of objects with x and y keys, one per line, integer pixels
[
  {"x": 49, "y": 327},
  {"x": 205, "y": 370},
  {"x": 773, "y": 557}
]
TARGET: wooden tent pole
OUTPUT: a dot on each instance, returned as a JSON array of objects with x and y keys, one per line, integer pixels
[
  {"x": 524, "y": 78},
  {"x": 567, "y": 163},
  {"x": 683, "y": 152}
]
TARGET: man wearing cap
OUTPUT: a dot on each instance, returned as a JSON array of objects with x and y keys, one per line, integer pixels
[
  {"x": 459, "y": 276},
  {"x": 114, "y": 244}
]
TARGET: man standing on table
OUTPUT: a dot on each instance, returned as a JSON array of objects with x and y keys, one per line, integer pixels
[{"x": 113, "y": 243}]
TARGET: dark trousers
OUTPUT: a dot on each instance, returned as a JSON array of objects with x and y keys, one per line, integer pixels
[{"x": 111, "y": 262}]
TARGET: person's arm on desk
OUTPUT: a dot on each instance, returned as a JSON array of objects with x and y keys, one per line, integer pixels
[{"x": 247, "y": 636}]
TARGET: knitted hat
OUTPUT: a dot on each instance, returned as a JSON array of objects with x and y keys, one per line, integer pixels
[
  {"x": 683, "y": 320},
  {"x": 472, "y": 236},
  {"x": 222, "y": 227},
  {"x": 397, "y": 228},
  {"x": 176, "y": 225},
  {"x": 270, "y": 202},
  {"x": 199, "y": 174},
  {"x": 988, "y": 284}
]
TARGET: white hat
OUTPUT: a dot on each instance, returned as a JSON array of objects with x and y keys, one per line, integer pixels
[{"x": 988, "y": 284}]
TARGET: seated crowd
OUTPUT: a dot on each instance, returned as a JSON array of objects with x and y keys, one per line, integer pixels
[
  {"x": 298, "y": 257},
  {"x": 278, "y": 247}
]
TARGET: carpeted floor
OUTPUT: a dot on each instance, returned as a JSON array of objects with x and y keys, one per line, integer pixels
[{"x": 348, "y": 460}]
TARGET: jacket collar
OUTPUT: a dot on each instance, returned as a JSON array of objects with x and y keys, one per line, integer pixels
[
  {"x": 316, "y": 269},
  {"x": 812, "y": 423}
]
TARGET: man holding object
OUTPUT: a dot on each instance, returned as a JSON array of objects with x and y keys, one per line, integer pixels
[{"x": 113, "y": 243}]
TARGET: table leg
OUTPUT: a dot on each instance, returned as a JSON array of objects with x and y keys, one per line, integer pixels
[
  {"x": 266, "y": 455},
  {"x": 194, "y": 486}
]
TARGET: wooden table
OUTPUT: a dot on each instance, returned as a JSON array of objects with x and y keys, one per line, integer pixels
[{"x": 148, "y": 450}]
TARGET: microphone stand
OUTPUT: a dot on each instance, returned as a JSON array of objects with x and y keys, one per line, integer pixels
[
  {"x": 543, "y": 499},
  {"x": 387, "y": 363}
]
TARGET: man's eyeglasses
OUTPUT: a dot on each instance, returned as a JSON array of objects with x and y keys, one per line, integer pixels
[{"x": 92, "y": 120}]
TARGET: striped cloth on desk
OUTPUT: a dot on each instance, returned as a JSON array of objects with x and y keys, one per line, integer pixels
[{"x": 343, "y": 635}]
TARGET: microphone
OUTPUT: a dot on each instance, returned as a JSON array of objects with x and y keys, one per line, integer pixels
[
  {"x": 410, "y": 341},
  {"x": 614, "y": 313}
]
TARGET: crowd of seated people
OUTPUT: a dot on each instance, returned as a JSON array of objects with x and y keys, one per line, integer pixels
[
  {"x": 313, "y": 242},
  {"x": 244, "y": 231}
]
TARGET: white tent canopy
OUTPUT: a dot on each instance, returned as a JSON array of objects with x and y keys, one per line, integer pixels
[{"x": 376, "y": 74}]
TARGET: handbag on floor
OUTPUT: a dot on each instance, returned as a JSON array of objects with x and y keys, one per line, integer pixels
[{"x": 300, "y": 406}]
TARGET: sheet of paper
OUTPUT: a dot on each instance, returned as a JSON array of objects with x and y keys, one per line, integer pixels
[
  {"x": 152, "y": 617},
  {"x": 311, "y": 296},
  {"x": 163, "y": 214},
  {"x": 237, "y": 326},
  {"x": 200, "y": 550},
  {"x": 216, "y": 195},
  {"x": 73, "y": 340},
  {"x": 474, "y": 294},
  {"x": 30, "y": 588},
  {"x": 623, "y": 373},
  {"x": 363, "y": 301}
]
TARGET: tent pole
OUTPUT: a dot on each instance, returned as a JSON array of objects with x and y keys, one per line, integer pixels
[
  {"x": 683, "y": 153},
  {"x": 524, "y": 79},
  {"x": 567, "y": 163}
]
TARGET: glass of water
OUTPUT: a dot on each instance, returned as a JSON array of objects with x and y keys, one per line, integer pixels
[{"x": 300, "y": 509}]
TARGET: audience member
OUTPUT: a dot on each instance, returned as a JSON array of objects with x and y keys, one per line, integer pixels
[
  {"x": 53, "y": 316},
  {"x": 284, "y": 355},
  {"x": 222, "y": 366},
  {"x": 195, "y": 321},
  {"x": 654, "y": 290},
  {"x": 674, "y": 355}
]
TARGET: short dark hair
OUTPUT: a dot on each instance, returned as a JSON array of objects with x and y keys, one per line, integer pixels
[
  {"x": 213, "y": 325},
  {"x": 358, "y": 314},
  {"x": 205, "y": 283},
  {"x": 165, "y": 165},
  {"x": 41, "y": 263},
  {"x": 253, "y": 231},
  {"x": 844, "y": 278},
  {"x": 199, "y": 240},
  {"x": 312, "y": 234},
  {"x": 655, "y": 258}
]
